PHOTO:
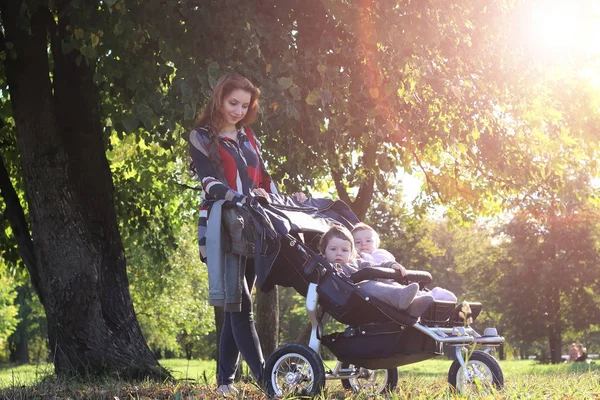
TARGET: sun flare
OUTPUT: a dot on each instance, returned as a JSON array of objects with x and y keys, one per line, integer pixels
[{"x": 562, "y": 27}]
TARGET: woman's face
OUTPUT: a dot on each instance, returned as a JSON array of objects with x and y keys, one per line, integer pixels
[
  {"x": 234, "y": 108},
  {"x": 338, "y": 251}
]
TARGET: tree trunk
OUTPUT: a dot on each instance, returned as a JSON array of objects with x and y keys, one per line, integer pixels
[
  {"x": 501, "y": 352},
  {"x": 83, "y": 284},
  {"x": 267, "y": 320},
  {"x": 555, "y": 342},
  {"x": 18, "y": 346},
  {"x": 304, "y": 336},
  {"x": 522, "y": 354}
]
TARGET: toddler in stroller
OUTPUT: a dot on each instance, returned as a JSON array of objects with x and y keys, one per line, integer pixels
[
  {"x": 379, "y": 337},
  {"x": 337, "y": 245},
  {"x": 366, "y": 242}
]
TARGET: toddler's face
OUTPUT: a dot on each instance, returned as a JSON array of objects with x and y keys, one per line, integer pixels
[
  {"x": 338, "y": 251},
  {"x": 364, "y": 241}
]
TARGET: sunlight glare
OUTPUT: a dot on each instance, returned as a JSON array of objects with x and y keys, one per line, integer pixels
[{"x": 561, "y": 27}]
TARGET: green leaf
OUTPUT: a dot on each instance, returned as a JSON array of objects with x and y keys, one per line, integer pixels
[
  {"x": 186, "y": 90},
  {"x": 214, "y": 73},
  {"x": 285, "y": 83},
  {"x": 88, "y": 52},
  {"x": 188, "y": 112},
  {"x": 130, "y": 124},
  {"x": 313, "y": 97}
]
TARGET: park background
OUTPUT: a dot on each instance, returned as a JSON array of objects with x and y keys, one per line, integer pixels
[{"x": 465, "y": 132}]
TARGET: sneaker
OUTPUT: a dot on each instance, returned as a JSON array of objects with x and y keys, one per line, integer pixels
[{"x": 227, "y": 390}]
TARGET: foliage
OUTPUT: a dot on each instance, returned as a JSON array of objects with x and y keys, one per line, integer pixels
[
  {"x": 407, "y": 235},
  {"x": 365, "y": 89},
  {"x": 8, "y": 311},
  {"x": 292, "y": 315},
  {"x": 167, "y": 281},
  {"x": 553, "y": 270},
  {"x": 31, "y": 331}
]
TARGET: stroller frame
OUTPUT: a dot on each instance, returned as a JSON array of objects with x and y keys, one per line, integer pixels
[{"x": 459, "y": 337}]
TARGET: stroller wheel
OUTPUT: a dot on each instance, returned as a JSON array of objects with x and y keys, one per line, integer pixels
[
  {"x": 482, "y": 374},
  {"x": 294, "y": 369},
  {"x": 371, "y": 382}
]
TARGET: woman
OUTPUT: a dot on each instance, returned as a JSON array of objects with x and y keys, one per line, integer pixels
[{"x": 226, "y": 156}]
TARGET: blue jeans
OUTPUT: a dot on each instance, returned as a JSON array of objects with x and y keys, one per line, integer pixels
[{"x": 239, "y": 335}]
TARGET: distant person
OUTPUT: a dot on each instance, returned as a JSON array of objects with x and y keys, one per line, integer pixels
[
  {"x": 573, "y": 351},
  {"x": 366, "y": 241},
  {"x": 581, "y": 353}
]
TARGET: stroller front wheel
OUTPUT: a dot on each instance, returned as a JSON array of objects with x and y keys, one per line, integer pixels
[
  {"x": 370, "y": 381},
  {"x": 482, "y": 374},
  {"x": 294, "y": 369}
]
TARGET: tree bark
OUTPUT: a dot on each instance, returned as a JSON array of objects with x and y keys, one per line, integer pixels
[
  {"x": 555, "y": 341},
  {"x": 83, "y": 285},
  {"x": 304, "y": 336},
  {"x": 552, "y": 304},
  {"x": 267, "y": 320}
]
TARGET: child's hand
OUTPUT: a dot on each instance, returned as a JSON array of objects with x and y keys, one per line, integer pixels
[
  {"x": 366, "y": 256},
  {"x": 397, "y": 266}
]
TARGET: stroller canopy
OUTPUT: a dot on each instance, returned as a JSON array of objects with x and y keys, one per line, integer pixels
[{"x": 283, "y": 218}]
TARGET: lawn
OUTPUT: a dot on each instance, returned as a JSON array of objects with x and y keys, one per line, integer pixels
[{"x": 424, "y": 380}]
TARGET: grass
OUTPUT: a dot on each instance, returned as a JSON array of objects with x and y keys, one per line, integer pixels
[
  {"x": 24, "y": 374},
  {"x": 424, "y": 380}
]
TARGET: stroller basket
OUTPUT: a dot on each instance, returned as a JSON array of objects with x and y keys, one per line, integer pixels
[
  {"x": 445, "y": 313},
  {"x": 382, "y": 346},
  {"x": 438, "y": 313}
]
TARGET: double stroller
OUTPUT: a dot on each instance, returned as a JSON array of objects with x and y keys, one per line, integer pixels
[{"x": 378, "y": 337}]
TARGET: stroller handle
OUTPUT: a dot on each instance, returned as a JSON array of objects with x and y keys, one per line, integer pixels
[
  {"x": 421, "y": 277},
  {"x": 368, "y": 273}
]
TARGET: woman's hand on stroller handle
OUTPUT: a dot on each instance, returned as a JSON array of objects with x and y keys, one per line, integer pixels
[
  {"x": 257, "y": 194},
  {"x": 300, "y": 197},
  {"x": 260, "y": 195},
  {"x": 260, "y": 192}
]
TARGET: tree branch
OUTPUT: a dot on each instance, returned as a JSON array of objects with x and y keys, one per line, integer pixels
[
  {"x": 430, "y": 182},
  {"x": 367, "y": 187},
  {"x": 16, "y": 217},
  {"x": 183, "y": 185},
  {"x": 336, "y": 172}
]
